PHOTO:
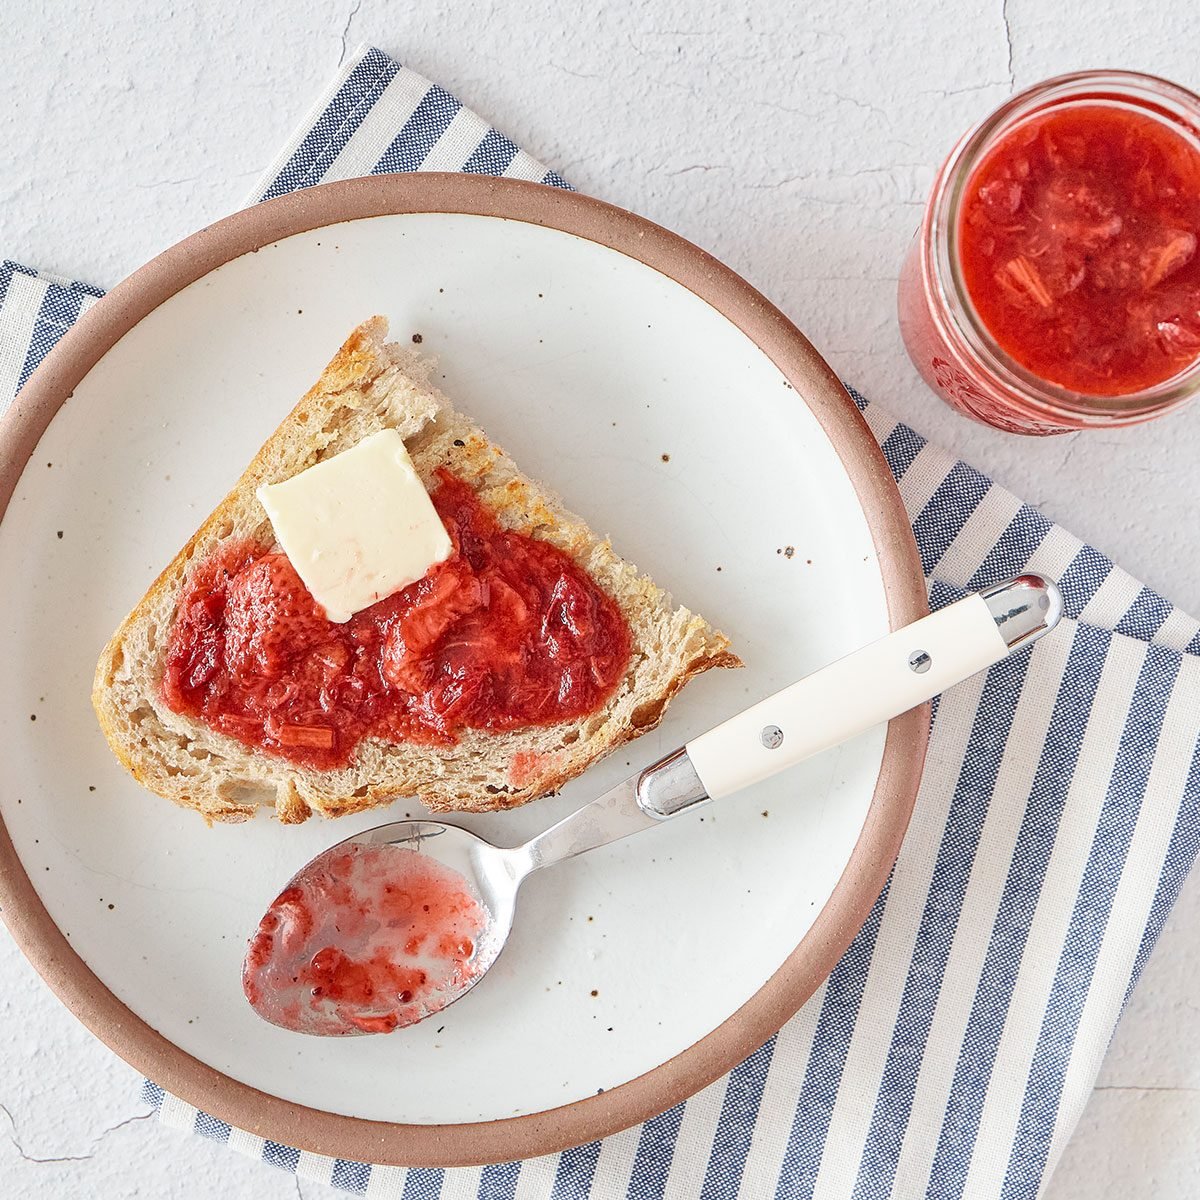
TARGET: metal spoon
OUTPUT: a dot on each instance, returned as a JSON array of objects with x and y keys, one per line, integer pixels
[{"x": 867, "y": 687}]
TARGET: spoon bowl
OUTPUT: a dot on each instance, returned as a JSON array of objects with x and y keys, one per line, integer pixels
[{"x": 382, "y": 930}]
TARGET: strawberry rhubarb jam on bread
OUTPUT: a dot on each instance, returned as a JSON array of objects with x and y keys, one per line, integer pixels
[{"x": 525, "y": 652}]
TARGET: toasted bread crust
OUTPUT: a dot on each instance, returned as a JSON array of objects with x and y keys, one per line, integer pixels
[{"x": 368, "y": 385}]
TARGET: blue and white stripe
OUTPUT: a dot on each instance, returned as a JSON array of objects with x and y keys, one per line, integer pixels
[
  {"x": 36, "y": 309},
  {"x": 952, "y": 1050},
  {"x": 379, "y": 117}
]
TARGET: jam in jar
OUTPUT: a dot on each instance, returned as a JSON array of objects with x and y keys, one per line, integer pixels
[{"x": 1055, "y": 281}]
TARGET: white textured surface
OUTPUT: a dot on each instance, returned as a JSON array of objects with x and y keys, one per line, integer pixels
[{"x": 796, "y": 143}]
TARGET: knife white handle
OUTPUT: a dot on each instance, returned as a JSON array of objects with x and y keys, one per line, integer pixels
[{"x": 872, "y": 685}]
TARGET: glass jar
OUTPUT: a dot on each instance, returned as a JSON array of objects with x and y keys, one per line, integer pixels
[{"x": 945, "y": 337}]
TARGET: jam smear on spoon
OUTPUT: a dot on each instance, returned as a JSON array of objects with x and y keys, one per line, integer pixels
[{"x": 365, "y": 939}]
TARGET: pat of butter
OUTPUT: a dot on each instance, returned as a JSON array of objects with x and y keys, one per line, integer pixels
[{"x": 359, "y": 526}]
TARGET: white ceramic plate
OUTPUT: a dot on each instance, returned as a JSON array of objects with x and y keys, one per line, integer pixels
[{"x": 655, "y": 417}]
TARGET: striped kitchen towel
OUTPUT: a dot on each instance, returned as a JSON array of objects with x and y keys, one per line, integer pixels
[{"x": 953, "y": 1048}]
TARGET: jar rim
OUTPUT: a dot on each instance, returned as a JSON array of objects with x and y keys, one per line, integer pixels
[{"x": 961, "y": 324}]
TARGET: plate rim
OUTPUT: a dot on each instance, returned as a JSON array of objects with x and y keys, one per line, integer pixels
[{"x": 531, "y": 1134}]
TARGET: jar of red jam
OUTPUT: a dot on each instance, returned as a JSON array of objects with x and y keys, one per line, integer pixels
[{"x": 1054, "y": 283}]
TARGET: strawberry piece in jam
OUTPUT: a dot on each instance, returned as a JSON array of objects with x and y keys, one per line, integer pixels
[{"x": 508, "y": 632}]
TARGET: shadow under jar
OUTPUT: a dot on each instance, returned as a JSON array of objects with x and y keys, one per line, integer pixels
[{"x": 1054, "y": 283}]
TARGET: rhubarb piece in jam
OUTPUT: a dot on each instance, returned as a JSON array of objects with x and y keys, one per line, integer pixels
[
  {"x": 365, "y": 939},
  {"x": 1078, "y": 247},
  {"x": 508, "y": 632}
]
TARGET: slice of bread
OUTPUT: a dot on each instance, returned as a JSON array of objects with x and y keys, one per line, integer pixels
[{"x": 372, "y": 385}]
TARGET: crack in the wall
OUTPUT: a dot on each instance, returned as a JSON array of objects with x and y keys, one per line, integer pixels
[
  {"x": 1134, "y": 1087},
  {"x": 346, "y": 31},
  {"x": 850, "y": 279},
  {"x": 169, "y": 182},
  {"x": 577, "y": 74},
  {"x": 1012, "y": 80},
  {"x": 1070, "y": 444},
  {"x": 874, "y": 109},
  {"x": 128, "y": 1121},
  {"x": 785, "y": 108},
  {"x": 969, "y": 89},
  {"x": 813, "y": 176},
  {"x": 15, "y": 1139}
]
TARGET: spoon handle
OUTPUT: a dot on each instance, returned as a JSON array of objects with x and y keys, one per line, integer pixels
[
  {"x": 609, "y": 818},
  {"x": 874, "y": 684}
]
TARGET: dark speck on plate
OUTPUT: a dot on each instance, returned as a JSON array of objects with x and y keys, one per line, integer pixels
[
  {"x": 417, "y": 339},
  {"x": 766, "y": 812},
  {"x": 33, "y": 716},
  {"x": 789, "y": 551},
  {"x": 459, "y": 442},
  {"x": 440, "y": 1028},
  {"x": 666, "y": 458},
  {"x": 595, "y": 992}
]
